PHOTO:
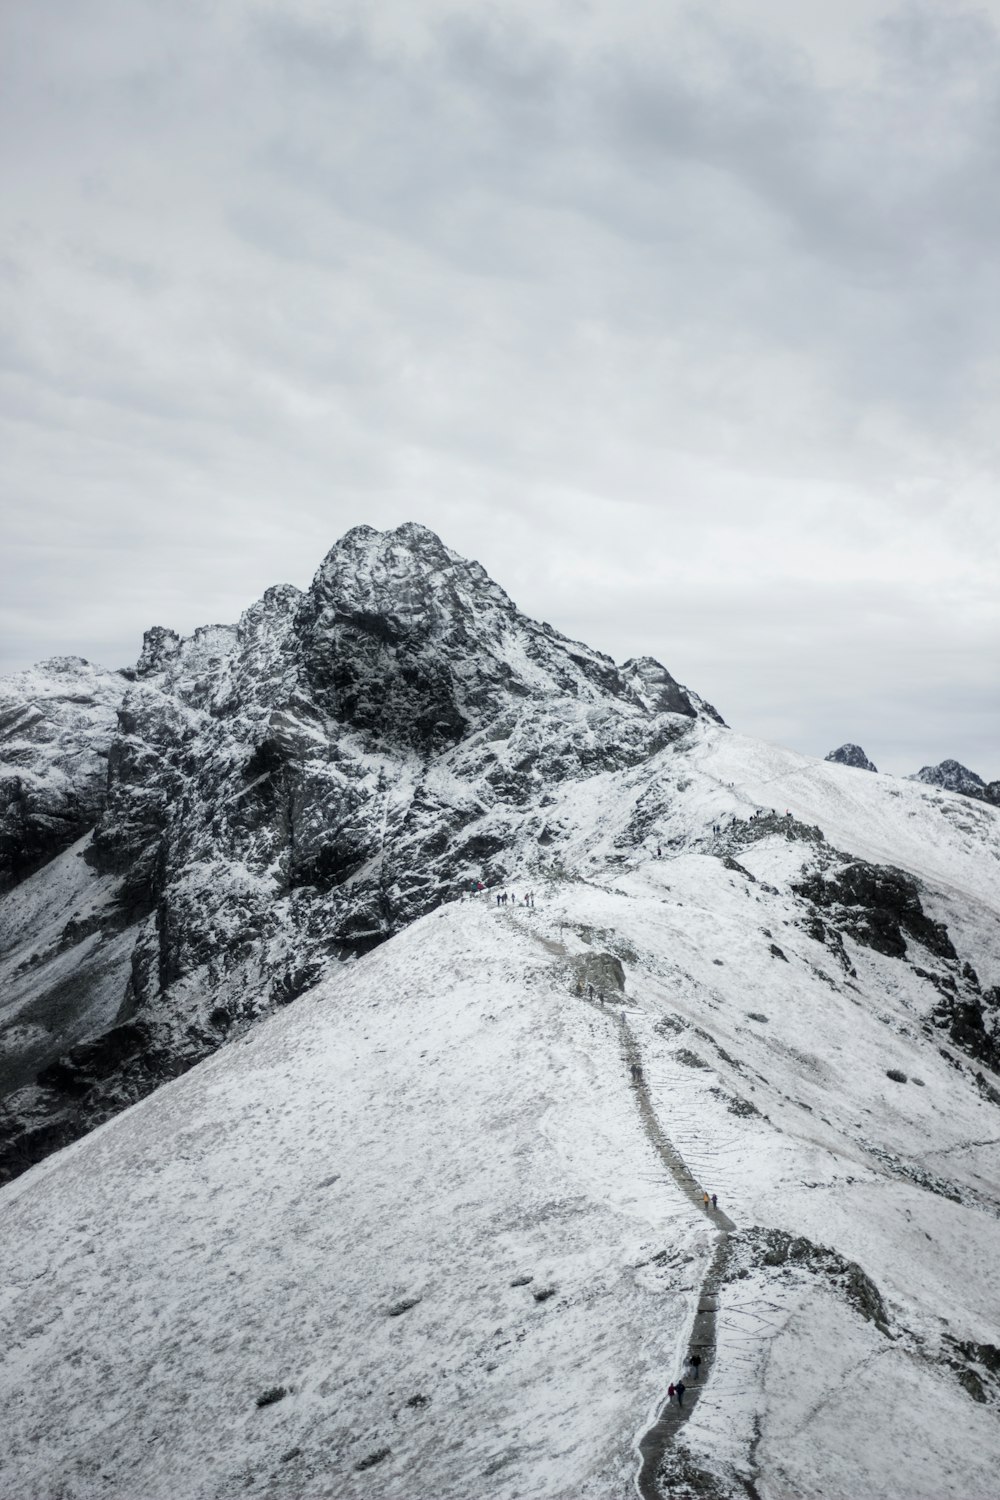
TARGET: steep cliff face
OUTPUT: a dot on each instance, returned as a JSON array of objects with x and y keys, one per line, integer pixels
[
  {"x": 56, "y": 725},
  {"x": 270, "y": 797}
]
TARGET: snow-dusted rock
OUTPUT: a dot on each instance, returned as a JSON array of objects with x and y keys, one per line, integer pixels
[
  {"x": 952, "y": 776},
  {"x": 851, "y": 755},
  {"x": 57, "y": 721}
]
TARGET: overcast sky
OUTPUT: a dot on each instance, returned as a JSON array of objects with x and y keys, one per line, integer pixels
[{"x": 681, "y": 318}]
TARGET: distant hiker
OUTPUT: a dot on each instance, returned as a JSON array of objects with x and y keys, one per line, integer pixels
[
  {"x": 590, "y": 992},
  {"x": 659, "y": 852},
  {"x": 704, "y": 1199},
  {"x": 671, "y": 1388},
  {"x": 695, "y": 1363},
  {"x": 600, "y": 996},
  {"x": 715, "y": 1201},
  {"x": 499, "y": 898},
  {"x": 680, "y": 1389}
]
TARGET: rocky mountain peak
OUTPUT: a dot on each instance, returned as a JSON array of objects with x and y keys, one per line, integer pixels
[
  {"x": 952, "y": 776},
  {"x": 851, "y": 755},
  {"x": 661, "y": 693},
  {"x": 253, "y": 801},
  {"x": 159, "y": 645},
  {"x": 416, "y": 646}
]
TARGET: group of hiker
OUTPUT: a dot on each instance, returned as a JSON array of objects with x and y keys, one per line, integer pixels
[
  {"x": 504, "y": 896},
  {"x": 694, "y": 1365},
  {"x": 707, "y": 1199}
]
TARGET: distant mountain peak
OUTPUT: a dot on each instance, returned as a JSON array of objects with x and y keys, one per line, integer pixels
[
  {"x": 952, "y": 776},
  {"x": 851, "y": 755}
]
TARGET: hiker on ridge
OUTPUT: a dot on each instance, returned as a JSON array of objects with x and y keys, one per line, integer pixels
[{"x": 680, "y": 1388}]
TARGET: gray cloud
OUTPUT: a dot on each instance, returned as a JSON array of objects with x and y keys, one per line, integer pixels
[{"x": 682, "y": 322}]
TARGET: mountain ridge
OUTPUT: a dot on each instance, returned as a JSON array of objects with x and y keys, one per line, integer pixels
[{"x": 426, "y": 1232}]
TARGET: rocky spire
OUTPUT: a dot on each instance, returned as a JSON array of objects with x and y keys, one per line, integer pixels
[{"x": 851, "y": 755}]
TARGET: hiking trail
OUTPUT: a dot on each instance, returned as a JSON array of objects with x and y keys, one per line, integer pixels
[{"x": 656, "y": 1439}]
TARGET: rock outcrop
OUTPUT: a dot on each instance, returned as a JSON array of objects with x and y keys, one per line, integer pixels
[
  {"x": 57, "y": 721},
  {"x": 952, "y": 776},
  {"x": 851, "y": 755}
]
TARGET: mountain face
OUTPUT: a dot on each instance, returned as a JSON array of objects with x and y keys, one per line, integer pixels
[
  {"x": 952, "y": 776},
  {"x": 851, "y": 755},
  {"x": 441, "y": 1227},
  {"x": 57, "y": 721},
  {"x": 214, "y": 828}
]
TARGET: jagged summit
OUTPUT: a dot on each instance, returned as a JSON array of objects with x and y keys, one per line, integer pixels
[
  {"x": 409, "y": 642},
  {"x": 952, "y": 776},
  {"x": 851, "y": 755},
  {"x": 252, "y": 800}
]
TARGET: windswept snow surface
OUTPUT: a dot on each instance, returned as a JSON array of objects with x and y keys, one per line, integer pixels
[{"x": 438, "y": 1122}]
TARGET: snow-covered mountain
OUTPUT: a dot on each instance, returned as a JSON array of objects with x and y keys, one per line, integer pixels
[
  {"x": 249, "y": 804},
  {"x": 437, "y": 1228}
]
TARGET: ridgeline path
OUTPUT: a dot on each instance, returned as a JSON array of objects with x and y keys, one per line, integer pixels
[{"x": 657, "y": 1438}]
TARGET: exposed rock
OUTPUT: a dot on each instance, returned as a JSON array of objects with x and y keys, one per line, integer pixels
[
  {"x": 952, "y": 776},
  {"x": 371, "y": 1459},
  {"x": 977, "y": 1367},
  {"x": 876, "y": 905},
  {"x": 602, "y": 970},
  {"x": 690, "y": 1059},
  {"x": 851, "y": 755},
  {"x": 57, "y": 721},
  {"x": 776, "y": 1248},
  {"x": 972, "y": 1023},
  {"x": 269, "y": 1397},
  {"x": 398, "y": 1308},
  {"x": 651, "y": 682}
]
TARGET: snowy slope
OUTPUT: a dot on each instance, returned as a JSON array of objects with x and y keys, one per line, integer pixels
[
  {"x": 446, "y": 1117},
  {"x": 439, "y": 1122}
]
